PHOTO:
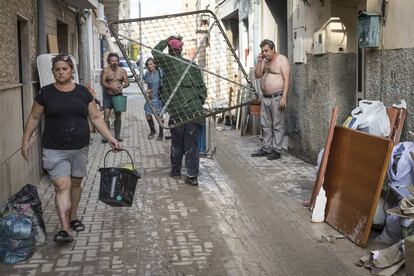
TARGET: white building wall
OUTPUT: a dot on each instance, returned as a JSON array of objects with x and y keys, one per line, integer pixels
[
  {"x": 312, "y": 18},
  {"x": 398, "y": 29}
]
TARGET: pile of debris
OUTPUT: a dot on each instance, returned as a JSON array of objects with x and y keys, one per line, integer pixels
[{"x": 349, "y": 192}]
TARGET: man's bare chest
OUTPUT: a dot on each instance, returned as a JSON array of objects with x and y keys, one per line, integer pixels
[
  {"x": 111, "y": 75},
  {"x": 272, "y": 67}
]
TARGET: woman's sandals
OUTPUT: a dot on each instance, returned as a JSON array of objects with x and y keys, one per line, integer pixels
[
  {"x": 63, "y": 236},
  {"x": 77, "y": 225}
]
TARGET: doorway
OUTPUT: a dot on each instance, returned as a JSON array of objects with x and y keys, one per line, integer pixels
[
  {"x": 24, "y": 69},
  {"x": 278, "y": 10},
  {"x": 62, "y": 37}
]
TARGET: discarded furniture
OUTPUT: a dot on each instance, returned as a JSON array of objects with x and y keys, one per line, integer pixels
[
  {"x": 354, "y": 178},
  {"x": 352, "y": 172},
  {"x": 397, "y": 118}
]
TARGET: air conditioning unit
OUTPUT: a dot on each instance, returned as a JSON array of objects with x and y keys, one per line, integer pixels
[
  {"x": 319, "y": 42},
  {"x": 330, "y": 38}
]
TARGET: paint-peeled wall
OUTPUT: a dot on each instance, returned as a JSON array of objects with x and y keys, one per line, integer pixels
[
  {"x": 389, "y": 69},
  {"x": 397, "y": 22}
]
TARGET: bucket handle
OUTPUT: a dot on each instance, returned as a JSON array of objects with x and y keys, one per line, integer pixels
[{"x": 111, "y": 150}]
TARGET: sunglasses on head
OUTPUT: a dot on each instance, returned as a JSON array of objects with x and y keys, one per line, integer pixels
[{"x": 61, "y": 58}]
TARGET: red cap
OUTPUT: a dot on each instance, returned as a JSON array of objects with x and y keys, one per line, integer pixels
[{"x": 176, "y": 44}]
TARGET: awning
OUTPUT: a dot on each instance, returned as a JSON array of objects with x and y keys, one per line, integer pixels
[{"x": 83, "y": 4}]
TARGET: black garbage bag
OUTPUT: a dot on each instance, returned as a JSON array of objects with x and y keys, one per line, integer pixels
[
  {"x": 117, "y": 186},
  {"x": 15, "y": 226},
  {"x": 27, "y": 203},
  {"x": 16, "y": 238},
  {"x": 13, "y": 245},
  {"x": 15, "y": 256}
]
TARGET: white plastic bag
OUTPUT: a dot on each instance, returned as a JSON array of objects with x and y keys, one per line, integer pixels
[{"x": 371, "y": 116}]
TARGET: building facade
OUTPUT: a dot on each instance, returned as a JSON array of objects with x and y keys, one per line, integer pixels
[
  {"x": 31, "y": 28},
  {"x": 328, "y": 66},
  {"x": 18, "y": 83}
]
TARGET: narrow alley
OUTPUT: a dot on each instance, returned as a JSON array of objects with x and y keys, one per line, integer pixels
[
  {"x": 245, "y": 217},
  {"x": 295, "y": 117}
]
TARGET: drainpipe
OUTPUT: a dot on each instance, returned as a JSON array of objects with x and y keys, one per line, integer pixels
[
  {"x": 255, "y": 47},
  {"x": 84, "y": 64},
  {"x": 41, "y": 33}
]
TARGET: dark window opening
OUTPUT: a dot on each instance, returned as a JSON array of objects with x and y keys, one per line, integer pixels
[{"x": 62, "y": 37}]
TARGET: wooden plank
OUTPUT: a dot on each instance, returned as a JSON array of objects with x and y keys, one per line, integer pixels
[
  {"x": 52, "y": 44},
  {"x": 322, "y": 168},
  {"x": 397, "y": 118},
  {"x": 354, "y": 177}
]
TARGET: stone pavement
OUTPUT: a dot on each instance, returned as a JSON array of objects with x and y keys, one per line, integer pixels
[{"x": 245, "y": 217}]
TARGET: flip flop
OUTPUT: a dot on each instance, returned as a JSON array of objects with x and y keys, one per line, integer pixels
[
  {"x": 77, "y": 225},
  {"x": 63, "y": 236}
]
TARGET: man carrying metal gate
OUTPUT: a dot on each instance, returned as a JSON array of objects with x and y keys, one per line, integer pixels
[
  {"x": 202, "y": 77},
  {"x": 184, "y": 88}
]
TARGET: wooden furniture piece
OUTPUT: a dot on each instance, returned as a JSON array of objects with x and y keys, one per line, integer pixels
[
  {"x": 322, "y": 168},
  {"x": 354, "y": 177},
  {"x": 397, "y": 118}
]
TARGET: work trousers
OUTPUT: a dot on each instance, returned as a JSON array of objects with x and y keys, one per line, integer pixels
[
  {"x": 272, "y": 120},
  {"x": 185, "y": 142}
]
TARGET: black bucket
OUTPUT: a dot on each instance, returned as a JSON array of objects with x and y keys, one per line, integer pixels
[{"x": 118, "y": 185}]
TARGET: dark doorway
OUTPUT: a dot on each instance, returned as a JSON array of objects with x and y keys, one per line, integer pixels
[
  {"x": 62, "y": 37},
  {"x": 231, "y": 23},
  {"x": 278, "y": 8}
]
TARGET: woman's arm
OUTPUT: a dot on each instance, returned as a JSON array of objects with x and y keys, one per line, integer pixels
[
  {"x": 101, "y": 126},
  {"x": 31, "y": 124}
]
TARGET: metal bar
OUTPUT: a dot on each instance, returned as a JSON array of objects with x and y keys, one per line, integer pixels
[
  {"x": 208, "y": 114},
  {"x": 202, "y": 69},
  {"x": 249, "y": 88},
  {"x": 191, "y": 13},
  {"x": 161, "y": 17},
  {"x": 233, "y": 52}
]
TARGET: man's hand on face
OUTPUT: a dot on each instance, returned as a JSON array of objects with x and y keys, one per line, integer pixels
[{"x": 260, "y": 57}]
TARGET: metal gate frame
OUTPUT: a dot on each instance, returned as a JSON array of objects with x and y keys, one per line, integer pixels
[{"x": 160, "y": 120}]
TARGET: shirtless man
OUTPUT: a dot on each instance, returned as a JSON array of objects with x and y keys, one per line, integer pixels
[
  {"x": 274, "y": 70},
  {"x": 113, "y": 80}
]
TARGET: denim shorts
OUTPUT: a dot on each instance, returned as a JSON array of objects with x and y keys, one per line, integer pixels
[
  {"x": 60, "y": 163},
  {"x": 106, "y": 100}
]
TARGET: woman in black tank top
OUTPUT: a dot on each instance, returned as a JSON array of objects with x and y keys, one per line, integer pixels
[{"x": 66, "y": 107}]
